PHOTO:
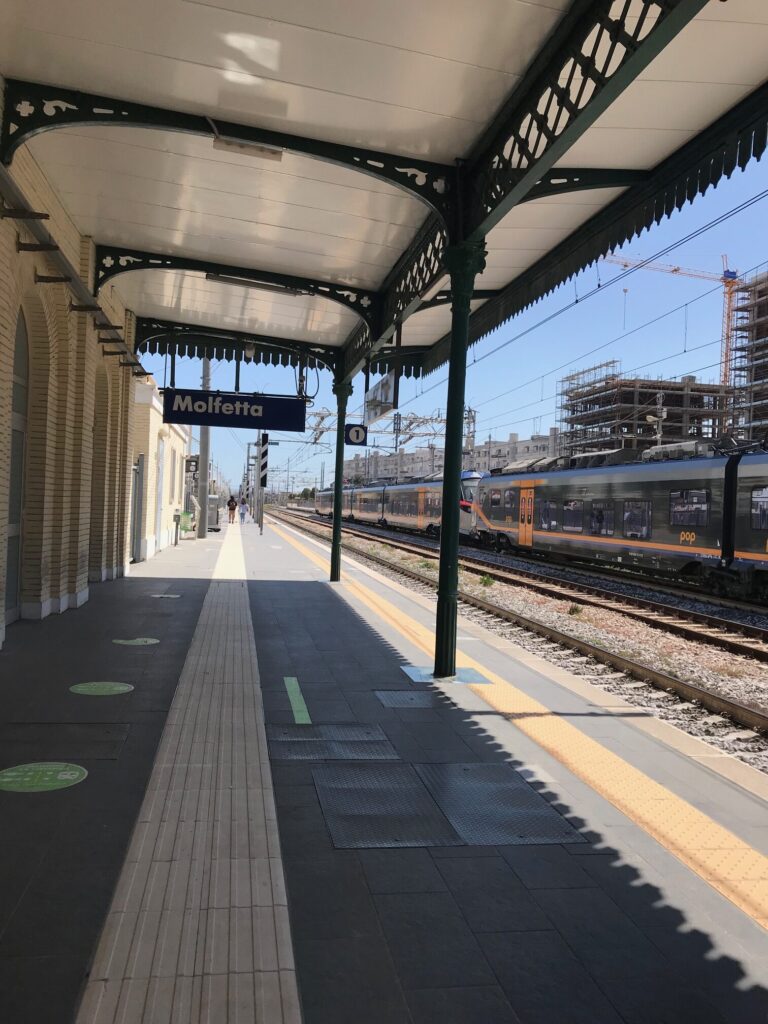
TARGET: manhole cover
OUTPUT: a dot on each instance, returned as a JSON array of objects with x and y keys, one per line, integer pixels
[{"x": 41, "y": 776}]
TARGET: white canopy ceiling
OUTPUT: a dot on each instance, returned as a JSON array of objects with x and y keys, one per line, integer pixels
[{"x": 419, "y": 79}]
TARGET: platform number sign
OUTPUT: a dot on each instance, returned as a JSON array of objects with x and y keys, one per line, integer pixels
[{"x": 355, "y": 433}]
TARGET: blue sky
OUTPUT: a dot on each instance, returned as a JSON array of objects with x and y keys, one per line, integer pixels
[{"x": 663, "y": 326}]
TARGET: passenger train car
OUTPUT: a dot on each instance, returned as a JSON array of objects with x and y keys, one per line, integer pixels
[
  {"x": 705, "y": 518},
  {"x": 412, "y": 506}
]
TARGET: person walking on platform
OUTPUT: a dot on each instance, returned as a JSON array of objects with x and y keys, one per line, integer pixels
[
  {"x": 243, "y": 510},
  {"x": 231, "y": 506}
]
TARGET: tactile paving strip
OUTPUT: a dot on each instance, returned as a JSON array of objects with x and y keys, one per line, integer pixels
[
  {"x": 386, "y": 807},
  {"x": 492, "y": 804},
  {"x": 329, "y": 743},
  {"x": 411, "y": 699}
]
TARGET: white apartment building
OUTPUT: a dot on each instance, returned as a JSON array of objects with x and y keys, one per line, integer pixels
[{"x": 421, "y": 462}]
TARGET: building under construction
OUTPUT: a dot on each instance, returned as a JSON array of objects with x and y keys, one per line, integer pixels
[
  {"x": 749, "y": 360},
  {"x": 601, "y": 410}
]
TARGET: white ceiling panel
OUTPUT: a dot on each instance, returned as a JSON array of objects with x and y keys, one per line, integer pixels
[
  {"x": 190, "y": 298},
  {"x": 419, "y": 79}
]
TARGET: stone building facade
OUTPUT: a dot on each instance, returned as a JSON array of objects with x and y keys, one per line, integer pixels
[
  {"x": 65, "y": 424},
  {"x": 159, "y": 451}
]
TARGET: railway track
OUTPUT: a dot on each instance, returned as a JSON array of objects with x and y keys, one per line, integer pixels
[
  {"x": 708, "y": 631},
  {"x": 734, "y": 637}
]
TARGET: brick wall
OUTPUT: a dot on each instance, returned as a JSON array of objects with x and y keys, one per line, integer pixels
[{"x": 79, "y": 428}]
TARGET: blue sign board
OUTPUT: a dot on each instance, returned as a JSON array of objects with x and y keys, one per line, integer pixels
[
  {"x": 230, "y": 409},
  {"x": 355, "y": 433}
]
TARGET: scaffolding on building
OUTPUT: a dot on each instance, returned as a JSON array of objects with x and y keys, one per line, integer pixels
[
  {"x": 749, "y": 364},
  {"x": 601, "y": 410}
]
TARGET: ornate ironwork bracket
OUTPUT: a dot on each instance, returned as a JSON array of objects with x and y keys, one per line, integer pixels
[
  {"x": 415, "y": 273},
  {"x": 112, "y": 260},
  {"x": 161, "y": 336},
  {"x": 559, "y": 181},
  {"x": 31, "y": 108},
  {"x": 598, "y": 49}
]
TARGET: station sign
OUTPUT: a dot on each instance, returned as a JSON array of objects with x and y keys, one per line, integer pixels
[
  {"x": 355, "y": 433},
  {"x": 233, "y": 409}
]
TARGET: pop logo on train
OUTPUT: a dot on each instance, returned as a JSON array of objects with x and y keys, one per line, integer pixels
[{"x": 687, "y": 537}]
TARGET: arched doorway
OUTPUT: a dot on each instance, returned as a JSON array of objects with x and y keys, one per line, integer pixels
[{"x": 19, "y": 402}]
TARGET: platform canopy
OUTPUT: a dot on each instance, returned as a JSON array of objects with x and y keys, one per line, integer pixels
[{"x": 284, "y": 178}]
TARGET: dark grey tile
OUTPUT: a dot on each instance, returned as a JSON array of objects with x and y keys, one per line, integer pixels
[
  {"x": 543, "y": 980},
  {"x": 453, "y": 852},
  {"x": 39, "y": 990},
  {"x": 430, "y": 943},
  {"x": 481, "y": 1005},
  {"x": 390, "y": 871},
  {"x": 330, "y": 711},
  {"x": 329, "y": 898},
  {"x": 661, "y": 997},
  {"x": 601, "y": 935},
  {"x": 478, "y": 873},
  {"x": 546, "y": 867},
  {"x": 640, "y": 900}
]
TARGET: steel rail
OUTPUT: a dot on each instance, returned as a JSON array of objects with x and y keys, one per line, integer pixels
[
  {"x": 746, "y": 715},
  {"x": 730, "y": 635}
]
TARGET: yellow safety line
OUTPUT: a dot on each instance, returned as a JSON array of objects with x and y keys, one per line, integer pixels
[{"x": 728, "y": 863}]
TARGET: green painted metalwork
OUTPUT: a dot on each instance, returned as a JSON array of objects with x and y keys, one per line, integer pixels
[
  {"x": 159, "y": 337},
  {"x": 31, "y": 108},
  {"x": 463, "y": 262},
  {"x": 597, "y": 50},
  {"x": 739, "y": 136},
  {"x": 113, "y": 260},
  {"x": 342, "y": 390}
]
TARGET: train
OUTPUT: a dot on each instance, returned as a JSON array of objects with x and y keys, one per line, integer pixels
[
  {"x": 695, "y": 512},
  {"x": 415, "y": 506}
]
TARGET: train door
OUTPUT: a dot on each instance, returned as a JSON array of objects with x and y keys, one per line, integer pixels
[
  {"x": 421, "y": 495},
  {"x": 525, "y": 536}
]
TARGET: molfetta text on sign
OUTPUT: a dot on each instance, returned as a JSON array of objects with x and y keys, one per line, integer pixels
[{"x": 228, "y": 409}]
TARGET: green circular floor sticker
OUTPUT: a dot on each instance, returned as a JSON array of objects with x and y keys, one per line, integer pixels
[
  {"x": 139, "y": 641},
  {"x": 41, "y": 776},
  {"x": 101, "y": 689}
]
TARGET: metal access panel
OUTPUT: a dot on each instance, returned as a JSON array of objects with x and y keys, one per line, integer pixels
[
  {"x": 380, "y": 806},
  {"x": 329, "y": 743},
  {"x": 493, "y": 805},
  {"x": 411, "y": 699}
]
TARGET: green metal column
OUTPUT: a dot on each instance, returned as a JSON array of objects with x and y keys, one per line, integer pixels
[
  {"x": 342, "y": 391},
  {"x": 463, "y": 262}
]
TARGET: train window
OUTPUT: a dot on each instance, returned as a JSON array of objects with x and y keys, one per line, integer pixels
[
  {"x": 495, "y": 499},
  {"x": 637, "y": 519},
  {"x": 689, "y": 508},
  {"x": 601, "y": 519},
  {"x": 509, "y": 498},
  {"x": 760, "y": 508},
  {"x": 548, "y": 515},
  {"x": 573, "y": 516}
]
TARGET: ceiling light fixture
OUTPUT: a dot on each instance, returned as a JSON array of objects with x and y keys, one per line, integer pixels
[
  {"x": 242, "y": 146},
  {"x": 244, "y": 282}
]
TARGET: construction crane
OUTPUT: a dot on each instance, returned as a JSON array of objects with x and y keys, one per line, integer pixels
[{"x": 730, "y": 281}]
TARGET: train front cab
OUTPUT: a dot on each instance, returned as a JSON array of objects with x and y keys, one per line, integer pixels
[
  {"x": 502, "y": 513},
  {"x": 749, "y": 569}
]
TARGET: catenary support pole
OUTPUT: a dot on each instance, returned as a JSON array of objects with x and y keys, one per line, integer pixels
[
  {"x": 463, "y": 262},
  {"x": 342, "y": 391},
  {"x": 205, "y": 458}
]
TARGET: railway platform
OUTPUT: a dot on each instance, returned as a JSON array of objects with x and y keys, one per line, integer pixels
[{"x": 287, "y": 820}]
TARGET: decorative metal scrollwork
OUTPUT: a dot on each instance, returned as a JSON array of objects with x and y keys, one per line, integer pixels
[
  {"x": 414, "y": 275},
  {"x": 31, "y": 108},
  {"x": 601, "y": 43},
  {"x": 111, "y": 260}
]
